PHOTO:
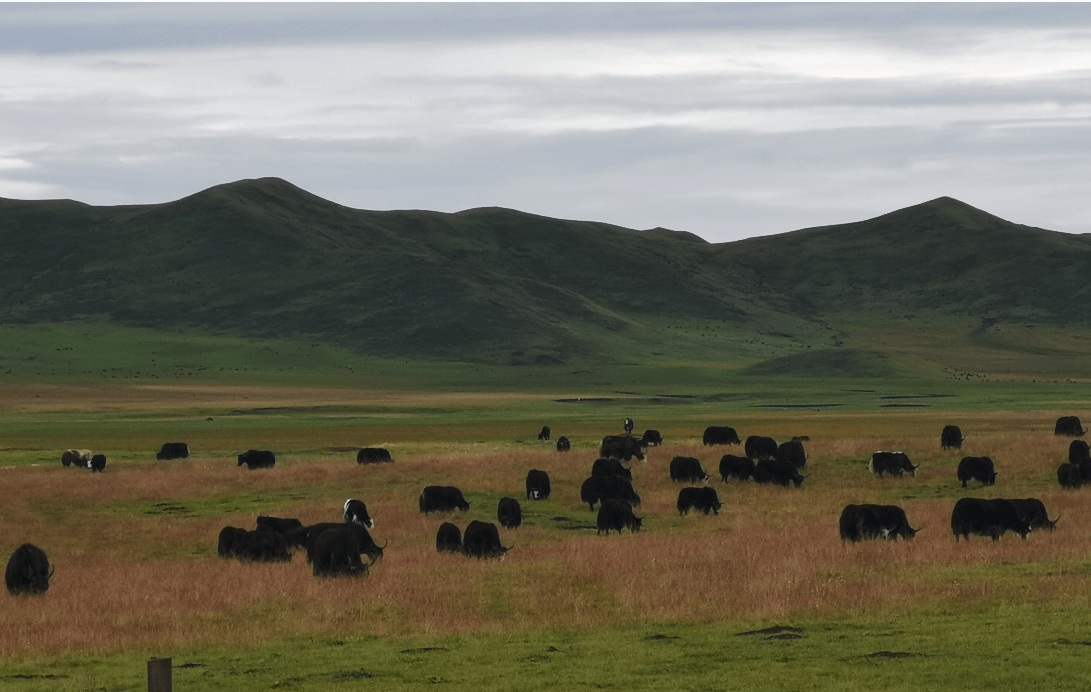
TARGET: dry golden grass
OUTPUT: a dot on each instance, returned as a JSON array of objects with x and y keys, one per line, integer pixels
[{"x": 135, "y": 548}]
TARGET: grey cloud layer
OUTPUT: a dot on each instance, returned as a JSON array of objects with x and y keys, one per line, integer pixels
[{"x": 726, "y": 121}]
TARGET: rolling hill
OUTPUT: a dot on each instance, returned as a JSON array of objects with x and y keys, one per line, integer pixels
[{"x": 263, "y": 258}]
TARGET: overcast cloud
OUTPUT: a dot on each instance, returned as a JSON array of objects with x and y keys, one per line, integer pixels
[{"x": 725, "y": 120}]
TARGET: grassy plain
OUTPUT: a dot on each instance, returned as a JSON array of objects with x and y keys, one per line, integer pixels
[{"x": 137, "y": 574}]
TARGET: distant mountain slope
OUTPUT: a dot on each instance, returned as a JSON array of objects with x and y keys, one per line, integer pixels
[
  {"x": 942, "y": 255},
  {"x": 264, "y": 258}
]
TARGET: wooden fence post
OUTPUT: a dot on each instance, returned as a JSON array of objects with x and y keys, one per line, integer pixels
[{"x": 159, "y": 675}]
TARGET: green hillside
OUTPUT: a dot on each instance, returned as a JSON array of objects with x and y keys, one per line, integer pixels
[
  {"x": 942, "y": 255},
  {"x": 264, "y": 259}
]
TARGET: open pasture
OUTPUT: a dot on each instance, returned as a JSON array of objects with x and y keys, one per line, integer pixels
[{"x": 138, "y": 575}]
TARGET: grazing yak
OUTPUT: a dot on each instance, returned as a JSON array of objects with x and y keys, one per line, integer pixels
[
  {"x": 285, "y": 527},
  {"x": 1070, "y": 426},
  {"x": 28, "y": 571},
  {"x": 1069, "y": 476},
  {"x": 538, "y": 486},
  {"x": 442, "y": 498},
  {"x": 705, "y": 499},
  {"x": 993, "y": 518},
  {"x": 76, "y": 457},
  {"x": 258, "y": 459},
  {"x": 628, "y": 425},
  {"x": 482, "y": 540},
  {"x": 891, "y": 464},
  {"x": 740, "y": 468},
  {"x": 336, "y": 553},
  {"x": 355, "y": 512},
  {"x": 253, "y": 546},
  {"x": 1034, "y": 512},
  {"x": 793, "y": 452},
  {"x": 229, "y": 535},
  {"x": 720, "y": 435},
  {"x": 98, "y": 463},
  {"x": 448, "y": 538},
  {"x": 172, "y": 450},
  {"x": 615, "y": 515},
  {"x": 600, "y": 488},
  {"x": 951, "y": 437},
  {"x": 509, "y": 513},
  {"x": 610, "y": 467},
  {"x": 373, "y": 455},
  {"x": 1078, "y": 450},
  {"x": 367, "y": 544},
  {"x": 621, "y": 447},
  {"x": 978, "y": 469},
  {"x": 563, "y": 445},
  {"x": 757, "y": 447},
  {"x": 776, "y": 471},
  {"x": 544, "y": 434},
  {"x": 870, "y": 522},
  {"x": 687, "y": 469},
  {"x": 651, "y": 437}
]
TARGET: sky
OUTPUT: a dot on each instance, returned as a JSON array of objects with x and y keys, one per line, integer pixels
[{"x": 727, "y": 120}]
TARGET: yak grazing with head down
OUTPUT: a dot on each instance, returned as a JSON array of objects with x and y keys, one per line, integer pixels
[{"x": 28, "y": 571}]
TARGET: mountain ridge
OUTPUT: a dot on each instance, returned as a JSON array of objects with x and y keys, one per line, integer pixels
[{"x": 266, "y": 258}]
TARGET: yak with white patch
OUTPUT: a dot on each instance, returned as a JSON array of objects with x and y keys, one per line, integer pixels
[
  {"x": 892, "y": 464},
  {"x": 872, "y": 522},
  {"x": 355, "y": 512},
  {"x": 538, "y": 485},
  {"x": 651, "y": 437}
]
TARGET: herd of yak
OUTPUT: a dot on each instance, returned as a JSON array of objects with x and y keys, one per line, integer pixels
[{"x": 336, "y": 548}]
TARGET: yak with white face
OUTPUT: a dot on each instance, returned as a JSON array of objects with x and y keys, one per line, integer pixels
[{"x": 356, "y": 513}]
